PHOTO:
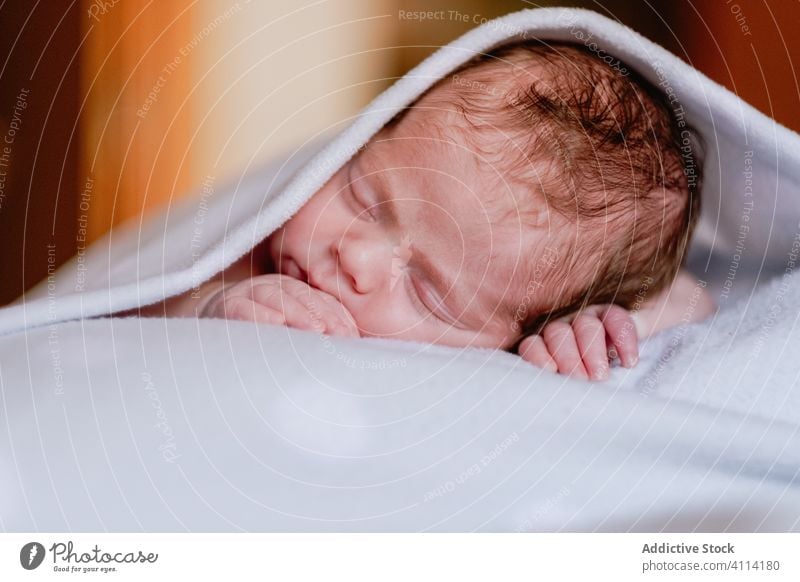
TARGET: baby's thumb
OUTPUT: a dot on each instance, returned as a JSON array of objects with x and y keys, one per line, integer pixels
[{"x": 533, "y": 349}]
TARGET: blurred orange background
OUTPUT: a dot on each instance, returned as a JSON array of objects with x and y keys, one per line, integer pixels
[{"x": 131, "y": 104}]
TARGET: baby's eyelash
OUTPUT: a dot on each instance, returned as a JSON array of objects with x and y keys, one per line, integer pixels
[{"x": 417, "y": 299}]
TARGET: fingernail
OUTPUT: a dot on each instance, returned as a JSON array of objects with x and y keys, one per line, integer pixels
[
  {"x": 632, "y": 361},
  {"x": 601, "y": 374}
]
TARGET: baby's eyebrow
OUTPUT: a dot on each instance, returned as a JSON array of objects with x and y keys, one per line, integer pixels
[{"x": 387, "y": 204}]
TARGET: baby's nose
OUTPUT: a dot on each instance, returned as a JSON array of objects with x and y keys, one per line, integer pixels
[{"x": 366, "y": 262}]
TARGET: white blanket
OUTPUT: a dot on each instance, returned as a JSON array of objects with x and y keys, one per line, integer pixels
[{"x": 211, "y": 425}]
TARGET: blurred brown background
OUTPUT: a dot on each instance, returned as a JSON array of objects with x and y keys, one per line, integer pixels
[{"x": 113, "y": 107}]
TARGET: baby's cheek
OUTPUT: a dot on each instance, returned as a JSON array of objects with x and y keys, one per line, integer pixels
[{"x": 388, "y": 319}]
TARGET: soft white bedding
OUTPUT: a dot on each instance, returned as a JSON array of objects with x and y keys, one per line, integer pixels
[{"x": 210, "y": 425}]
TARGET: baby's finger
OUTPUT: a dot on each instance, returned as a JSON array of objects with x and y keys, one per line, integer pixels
[
  {"x": 330, "y": 315},
  {"x": 591, "y": 339},
  {"x": 621, "y": 329},
  {"x": 326, "y": 312},
  {"x": 533, "y": 349},
  {"x": 298, "y": 315},
  {"x": 612, "y": 351},
  {"x": 295, "y": 314},
  {"x": 243, "y": 309},
  {"x": 560, "y": 341},
  {"x": 344, "y": 322}
]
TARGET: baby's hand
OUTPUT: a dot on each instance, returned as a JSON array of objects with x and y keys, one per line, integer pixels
[
  {"x": 581, "y": 345},
  {"x": 281, "y": 300}
]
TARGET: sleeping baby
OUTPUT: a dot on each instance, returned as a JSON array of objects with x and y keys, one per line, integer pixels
[{"x": 535, "y": 200}]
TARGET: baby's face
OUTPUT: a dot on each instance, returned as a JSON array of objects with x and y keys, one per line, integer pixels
[{"x": 403, "y": 236}]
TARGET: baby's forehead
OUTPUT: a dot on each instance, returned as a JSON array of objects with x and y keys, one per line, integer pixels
[
  {"x": 441, "y": 187},
  {"x": 458, "y": 168}
]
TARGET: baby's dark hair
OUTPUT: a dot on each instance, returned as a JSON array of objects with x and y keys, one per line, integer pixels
[{"x": 605, "y": 150}]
